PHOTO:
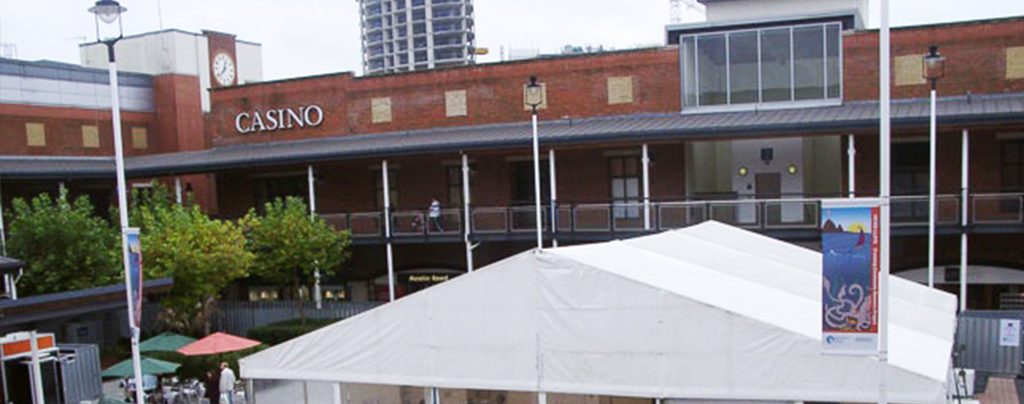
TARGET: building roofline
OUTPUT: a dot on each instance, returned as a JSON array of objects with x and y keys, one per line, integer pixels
[
  {"x": 170, "y": 30},
  {"x": 654, "y": 48}
]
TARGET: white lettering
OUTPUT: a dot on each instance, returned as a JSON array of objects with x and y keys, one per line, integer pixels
[
  {"x": 279, "y": 119},
  {"x": 272, "y": 120},
  {"x": 257, "y": 123},
  {"x": 294, "y": 117},
  {"x": 238, "y": 123},
  {"x": 319, "y": 115}
]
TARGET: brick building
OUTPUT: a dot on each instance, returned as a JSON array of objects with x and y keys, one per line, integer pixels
[{"x": 750, "y": 122}]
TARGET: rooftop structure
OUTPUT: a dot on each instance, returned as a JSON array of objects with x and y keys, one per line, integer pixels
[{"x": 405, "y": 35}]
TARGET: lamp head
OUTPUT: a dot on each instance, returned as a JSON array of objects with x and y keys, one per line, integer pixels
[
  {"x": 107, "y": 11},
  {"x": 534, "y": 95},
  {"x": 934, "y": 64}
]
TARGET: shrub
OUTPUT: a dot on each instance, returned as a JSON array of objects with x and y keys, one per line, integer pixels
[{"x": 276, "y": 333}]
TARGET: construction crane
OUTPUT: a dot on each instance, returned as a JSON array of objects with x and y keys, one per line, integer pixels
[{"x": 676, "y": 8}]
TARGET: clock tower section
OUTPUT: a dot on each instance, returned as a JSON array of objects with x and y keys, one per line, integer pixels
[{"x": 223, "y": 59}]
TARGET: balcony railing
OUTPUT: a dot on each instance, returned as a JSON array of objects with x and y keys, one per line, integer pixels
[{"x": 629, "y": 217}]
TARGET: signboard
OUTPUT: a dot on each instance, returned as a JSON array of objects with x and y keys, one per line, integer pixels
[
  {"x": 135, "y": 274},
  {"x": 1009, "y": 332},
  {"x": 850, "y": 265},
  {"x": 279, "y": 119}
]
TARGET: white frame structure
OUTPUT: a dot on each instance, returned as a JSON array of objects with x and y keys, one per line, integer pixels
[{"x": 759, "y": 104}]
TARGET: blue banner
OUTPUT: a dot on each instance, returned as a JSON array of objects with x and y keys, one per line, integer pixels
[
  {"x": 135, "y": 274},
  {"x": 850, "y": 263}
]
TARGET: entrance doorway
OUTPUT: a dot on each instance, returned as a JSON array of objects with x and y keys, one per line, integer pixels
[{"x": 769, "y": 186}]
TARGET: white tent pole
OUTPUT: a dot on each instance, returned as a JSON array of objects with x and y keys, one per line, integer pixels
[
  {"x": 883, "y": 194},
  {"x": 542, "y": 398},
  {"x": 851, "y": 167},
  {"x": 387, "y": 230},
  {"x": 466, "y": 213},
  {"x": 963, "y": 219},
  {"x": 311, "y": 184},
  {"x": 35, "y": 371},
  {"x": 337, "y": 392},
  {"x": 177, "y": 190},
  {"x": 646, "y": 162},
  {"x": 554, "y": 197}
]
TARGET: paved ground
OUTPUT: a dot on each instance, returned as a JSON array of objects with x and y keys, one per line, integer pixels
[{"x": 999, "y": 391}]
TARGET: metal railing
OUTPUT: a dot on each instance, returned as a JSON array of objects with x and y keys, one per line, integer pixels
[{"x": 755, "y": 214}]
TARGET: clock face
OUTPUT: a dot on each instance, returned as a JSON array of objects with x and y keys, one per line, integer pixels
[{"x": 224, "y": 69}]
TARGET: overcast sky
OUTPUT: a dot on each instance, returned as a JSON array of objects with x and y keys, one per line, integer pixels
[{"x": 305, "y": 37}]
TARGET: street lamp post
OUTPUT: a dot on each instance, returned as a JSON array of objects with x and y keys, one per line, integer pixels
[
  {"x": 534, "y": 97},
  {"x": 933, "y": 68},
  {"x": 109, "y": 13}
]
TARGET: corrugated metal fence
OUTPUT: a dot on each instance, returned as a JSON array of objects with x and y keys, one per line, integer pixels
[
  {"x": 982, "y": 348},
  {"x": 238, "y": 317},
  {"x": 81, "y": 377}
]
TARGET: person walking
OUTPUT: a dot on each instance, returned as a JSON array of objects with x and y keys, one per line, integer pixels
[
  {"x": 435, "y": 215},
  {"x": 213, "y": 387},
  {"x": 227, "y": 384}
]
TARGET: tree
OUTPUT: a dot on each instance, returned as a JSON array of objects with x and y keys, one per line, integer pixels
[
  {"x": 203, "y": 255},
  {"x": 65, "y": 245},
  {"x": 290, "y": 245}
]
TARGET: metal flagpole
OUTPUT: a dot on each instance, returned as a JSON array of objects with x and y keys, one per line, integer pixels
[
  {"x": 122, "y": 205},
  {"x": 883, "y": 194},
  {"x": 311, "y": 184},
  {"x": 963, "y": 219},
  {"x": 554, "y": 198},
  {"x": 536, "y": 182},
  {"x": 645, "y": 161},
  {"x": 931, "y": 191},
  {"x": 851, "y": 168},
  {"x": 387, "y": 230},
  {"x": 466, "y": 214}
]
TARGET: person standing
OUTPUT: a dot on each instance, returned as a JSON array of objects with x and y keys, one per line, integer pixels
[
  {"x": 227, "y": 383},
  {"x": 435, "y": 215},
  {"x": 213, "y": 387}
]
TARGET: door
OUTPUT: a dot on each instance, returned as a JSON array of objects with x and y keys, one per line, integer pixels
[{"x": 769, "y": 186}]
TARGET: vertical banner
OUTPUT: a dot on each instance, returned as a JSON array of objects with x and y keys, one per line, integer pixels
[
  {"x": 850, "y": 270},
  {"x": 135, "y": 274}
]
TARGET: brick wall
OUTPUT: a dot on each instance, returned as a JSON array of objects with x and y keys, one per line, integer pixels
[
  {"x": 576, "y": 87},
  {"x": 63, "y": 131},
  {"x": 975, "y": 58}
]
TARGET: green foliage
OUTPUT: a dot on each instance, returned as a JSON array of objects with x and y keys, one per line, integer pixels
[
  {"x": 290, "y": 246},
  {"x": 273, "y": 334},
  {"x": 64, "y": 244},
  {"x": 203, "y": 255}
]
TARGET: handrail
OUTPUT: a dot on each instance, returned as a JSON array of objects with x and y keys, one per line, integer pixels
[{"x": 611, "y": 217}]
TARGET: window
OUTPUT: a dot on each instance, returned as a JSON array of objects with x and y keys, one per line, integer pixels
[
  {"x": 1012, "y": 163},
  {"x": 625, "y": 186},
  {"x": 910, "y": 177},
  {"x": 270, "y": 188},
  {"x": 522, "y": 183},
  {"x": 454, "y": 184},
  {"x": 378, "y": 188},
  {"x": 767, "y": 65}
]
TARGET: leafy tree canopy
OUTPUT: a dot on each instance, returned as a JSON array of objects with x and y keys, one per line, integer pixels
[{"x": 64, "y": 245}]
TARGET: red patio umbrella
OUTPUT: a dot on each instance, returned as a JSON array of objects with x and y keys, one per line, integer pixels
[{"x": 216, "y": 343}]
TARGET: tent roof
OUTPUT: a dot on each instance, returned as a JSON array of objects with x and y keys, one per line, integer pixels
[{"x": 707, "y": 312}]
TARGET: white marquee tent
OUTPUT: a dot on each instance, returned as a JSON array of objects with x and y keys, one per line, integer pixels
[{"x": 706, "y": 312}]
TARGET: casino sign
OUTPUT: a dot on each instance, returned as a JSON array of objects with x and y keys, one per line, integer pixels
[{"x": 309, "y": 116}]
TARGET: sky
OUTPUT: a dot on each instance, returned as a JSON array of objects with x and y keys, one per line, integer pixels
[{"x": 308, "y": 37}]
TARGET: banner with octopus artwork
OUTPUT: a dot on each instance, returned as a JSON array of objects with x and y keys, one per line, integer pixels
[{"x": 850, "y": 255}]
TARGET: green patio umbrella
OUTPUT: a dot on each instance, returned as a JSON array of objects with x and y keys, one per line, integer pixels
[
  {"x": 150, "y": 366},
  {"x": 166, "y": 342}
]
